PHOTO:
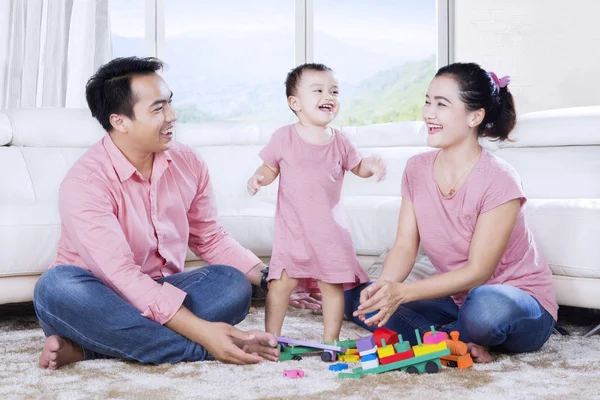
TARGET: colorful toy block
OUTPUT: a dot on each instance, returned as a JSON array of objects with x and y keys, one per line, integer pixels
[
  {"x": 350, "y": 375},
  {"x": 434, "y": 337},
  {"x": 422, "y": 349},
  {"x": 349, "y": 358},
  {"x": 397, "y": 357},
  {"x": 459, "y": 357},
  {"x": 428, "y": 363},
  {"x": 293, "y": 373},
  {"x": 314, "y": 345},
  {"x": 366, "y": 344},
  {"x": 385, "y": 350},
  {"x": 386, "y": 334},
  {"x": 338, "y": 367},
  {"x": 401, "y": 346},
  {"x": 351, "y": 352}
]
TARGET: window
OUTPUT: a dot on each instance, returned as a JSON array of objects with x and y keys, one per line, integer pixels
[
  {"x": 383, "y": 53},
  {"x": 127, "y": 26},
  {"x": 227, "y": 60}
]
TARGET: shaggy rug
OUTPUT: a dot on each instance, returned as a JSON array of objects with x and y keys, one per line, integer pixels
[{"x": 566, "y": 367}]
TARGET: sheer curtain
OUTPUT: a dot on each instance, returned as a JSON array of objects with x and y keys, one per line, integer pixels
[{"x": 48, "y": 50}]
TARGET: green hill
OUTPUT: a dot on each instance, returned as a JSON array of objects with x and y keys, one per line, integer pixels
[{"x": 396, "y": 94}]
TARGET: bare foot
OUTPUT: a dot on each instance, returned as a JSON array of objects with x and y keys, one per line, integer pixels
[
  {"x": 59, "y": 351},
  {"x": 479, "y": 354}
]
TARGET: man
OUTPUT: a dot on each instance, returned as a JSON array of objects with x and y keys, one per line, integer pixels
[{"x": 130, "y": 207}]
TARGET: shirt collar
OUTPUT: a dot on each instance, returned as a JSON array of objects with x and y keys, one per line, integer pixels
[{"x": 122, "y": 165}]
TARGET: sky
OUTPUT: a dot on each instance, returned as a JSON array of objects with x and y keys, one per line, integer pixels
[{"x": 357, "y": 20}]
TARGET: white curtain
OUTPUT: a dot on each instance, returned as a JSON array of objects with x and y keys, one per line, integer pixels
[{"x": 49, "y": 49}]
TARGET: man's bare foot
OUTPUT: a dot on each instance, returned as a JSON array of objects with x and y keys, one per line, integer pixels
[
  {"x": 58, "y": 352},
  {"x": 479, "y": 354}
]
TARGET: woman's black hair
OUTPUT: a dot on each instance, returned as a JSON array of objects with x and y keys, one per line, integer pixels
[{"x": 482, "y": 89}]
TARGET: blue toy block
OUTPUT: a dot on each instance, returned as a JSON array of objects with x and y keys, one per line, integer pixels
[
  {"x": 338, "y": 367},
  {"x": 369, "y": 357}
]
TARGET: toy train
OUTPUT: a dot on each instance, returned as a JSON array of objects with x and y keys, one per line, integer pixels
[{"x": 385, "y": 350}]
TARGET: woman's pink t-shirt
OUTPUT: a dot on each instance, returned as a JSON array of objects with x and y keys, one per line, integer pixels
[
  {"x": 311, "y": 237},
  {"x": 446, "y": 224}
]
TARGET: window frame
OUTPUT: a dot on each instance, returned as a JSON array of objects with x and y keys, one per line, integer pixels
[{"x": 304, "y": 30}]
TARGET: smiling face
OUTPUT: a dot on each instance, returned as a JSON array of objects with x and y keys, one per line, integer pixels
[
  {"x": 316, "y": 99},
  {"x": 151, "y": 128},
  {"x": 448, "y": 121}
]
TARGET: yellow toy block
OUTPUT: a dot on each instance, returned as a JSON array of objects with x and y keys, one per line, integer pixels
[
  {"x": 349, "y": 358},
  {"x": 385, "y": 351},
  {"x": 429, "y": 348},
  {"x": 352, "y": 352}
]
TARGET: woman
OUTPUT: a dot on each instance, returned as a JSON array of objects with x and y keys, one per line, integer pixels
[{"x": 464, "y": 205}]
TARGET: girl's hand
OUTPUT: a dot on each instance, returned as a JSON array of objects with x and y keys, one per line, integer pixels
[
  {"x": 376, "y": 166},
  {"x": 382, "y": 297},
  {"x": 254, "y": 184}
]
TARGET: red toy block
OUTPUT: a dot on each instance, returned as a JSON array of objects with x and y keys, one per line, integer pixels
[
  {"x": 386, "y": 334},
  {"x": 396, "y": 357}
]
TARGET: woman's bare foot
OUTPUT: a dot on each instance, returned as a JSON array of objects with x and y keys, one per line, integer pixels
[
  {"x": 58, "y": 352},
  {"x": 479, "y": 354}
]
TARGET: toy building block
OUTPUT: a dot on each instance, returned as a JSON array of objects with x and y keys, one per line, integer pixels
[
  {"x": 369, "y": 363},
  {"x": 350, "y": 375},
  {"x": 459, "y": 357},
  {"x": 347, "y": 344},
  {"x": 401, "y": 346},
  {"x": 385, "y": 350},
  {"x": 422, "y": 349},
  {"x": 314, "y": 345},
  {"x": 349, "y": 358},
  {"x": 366, "y": 343},
  {"x": 386, "y": 334},
  {"x": 338, "y": 367},
  {"x": 429, "y": 363},
  {"x": 434, "y": 337},
  {"x": 397, "y": 357},
  {"x": 293, "y": 373},
  {"x": 351, "y": 352},
  {"x": 456, "y": 347},
  {"x": 369, "y": 357}
]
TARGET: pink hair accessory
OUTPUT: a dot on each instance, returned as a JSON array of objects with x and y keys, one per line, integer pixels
[{"x": 502, "y": 82}]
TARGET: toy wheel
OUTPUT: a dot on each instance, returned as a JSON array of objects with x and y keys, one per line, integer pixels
[
  {"x": 431, "y": 367},
  {"x": 296, "y": 357},
  {"x": 325, "y": 356},
  {"x": 412, "y": 370}
]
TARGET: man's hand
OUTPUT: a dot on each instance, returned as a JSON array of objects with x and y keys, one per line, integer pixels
[
  {"x": 254, "y": 184},
  {"x": 233, "y": 346},
  {"x": 262, "y": 344}
]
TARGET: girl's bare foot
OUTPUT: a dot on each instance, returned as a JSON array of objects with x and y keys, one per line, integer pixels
[
  {"x": 479, "y": 354},
  {"x": 59, "y": 351}
]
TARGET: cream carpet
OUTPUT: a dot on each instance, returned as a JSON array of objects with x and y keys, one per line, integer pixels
[{"x": 566, "y": 368}]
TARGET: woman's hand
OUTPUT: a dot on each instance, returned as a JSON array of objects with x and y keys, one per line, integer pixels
[{"x": 382, "y": 298}]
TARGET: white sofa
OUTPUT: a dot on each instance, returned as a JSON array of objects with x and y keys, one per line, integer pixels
[{"x": 557, "y": 155}]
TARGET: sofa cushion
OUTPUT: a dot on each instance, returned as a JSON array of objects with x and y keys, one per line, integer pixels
[{"x": 5, "y": 130}]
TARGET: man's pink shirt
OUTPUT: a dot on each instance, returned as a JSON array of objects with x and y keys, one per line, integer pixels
[
  {"x": 447, "y": 224},
  {"x": 130, "y": 232}
]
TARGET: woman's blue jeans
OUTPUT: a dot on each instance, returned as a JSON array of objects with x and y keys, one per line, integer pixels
[{"x": 501, "y": 317}]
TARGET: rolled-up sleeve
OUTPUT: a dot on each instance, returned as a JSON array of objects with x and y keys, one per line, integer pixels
[
  {"x": 88, "y": 215},
  {"x": 208, "y": 239}
]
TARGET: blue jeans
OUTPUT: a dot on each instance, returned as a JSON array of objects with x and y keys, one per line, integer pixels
[
  {"x": 501, "y": 317},
  {"x": 73, "y": 303}
]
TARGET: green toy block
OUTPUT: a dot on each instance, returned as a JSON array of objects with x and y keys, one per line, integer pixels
[
  {"x": 349, "y": 375},
  {"x": 401, "y": 346},
  {"x": 418, "y": 338}
]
